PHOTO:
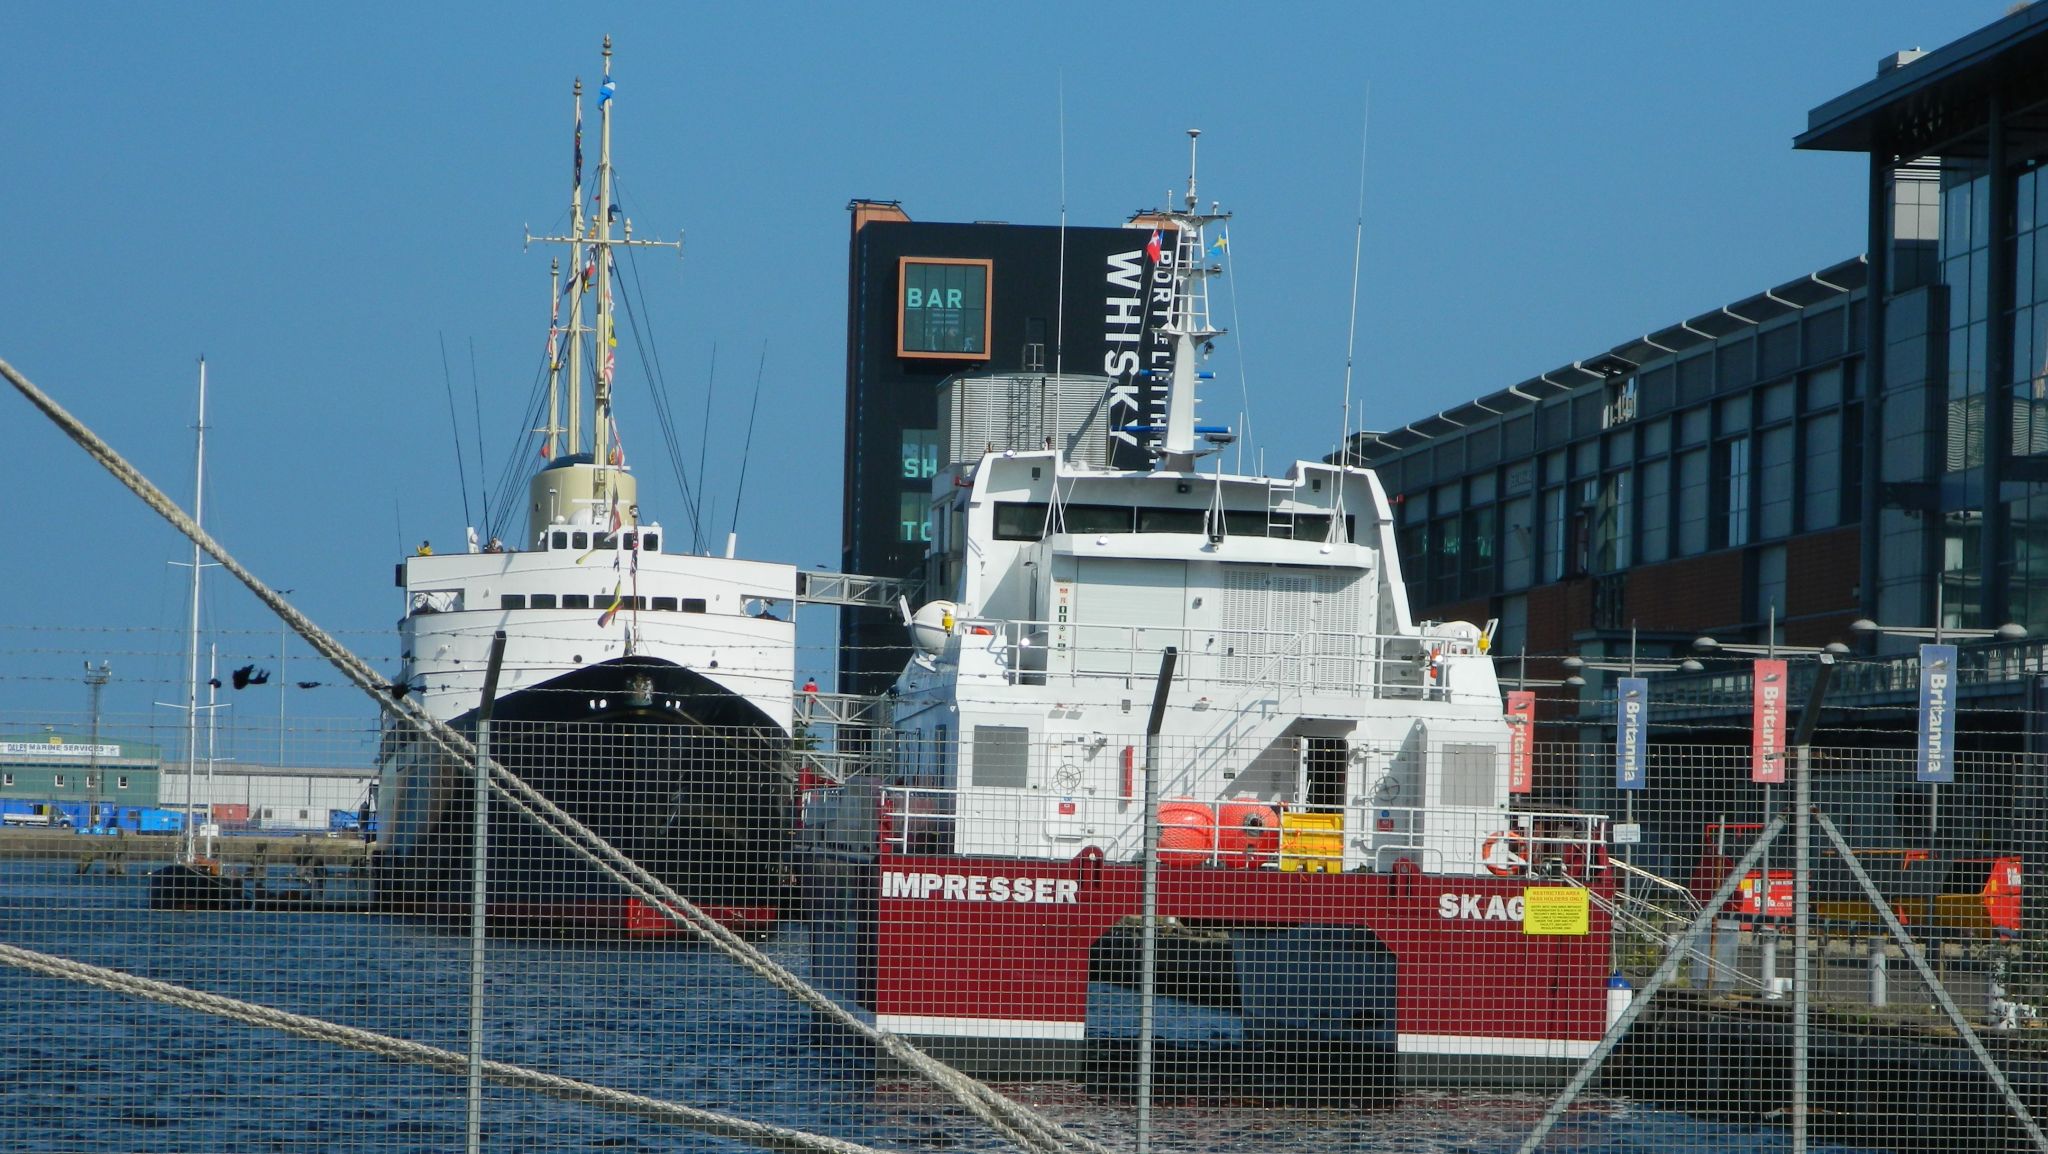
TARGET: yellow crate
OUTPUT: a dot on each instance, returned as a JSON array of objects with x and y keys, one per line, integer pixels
[{"x": 1312, "y": 842}]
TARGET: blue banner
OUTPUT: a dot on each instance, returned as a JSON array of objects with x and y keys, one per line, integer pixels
[
  {"x": 1631, "y": 732},
  {"x": 1937, "y": 748}
]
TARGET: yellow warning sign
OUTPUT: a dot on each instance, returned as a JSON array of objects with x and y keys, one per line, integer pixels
[{"x": 1555, "y": 911}]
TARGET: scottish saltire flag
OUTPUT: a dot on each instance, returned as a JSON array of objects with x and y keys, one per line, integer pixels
[
  {"x": 605, "y": 92},
  {"x": 611, "y": 610}
]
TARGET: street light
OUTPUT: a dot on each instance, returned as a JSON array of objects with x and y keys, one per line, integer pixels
[
  {"x": 1633, "y": 667},
  {"x": 1938, "y": 634},
  {"x": 2010, "y": 631},
  {"x": 96, "y": 680},
  {"x": 1771, "y": 650}
]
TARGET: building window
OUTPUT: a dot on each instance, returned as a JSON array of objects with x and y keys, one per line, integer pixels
[
  {"x": 1656, "y": 511},
  {"x": 914, "y": 518},
  {"x": 1820, "y": 505},
  {"x": 1734, "y": 487},
  {"x": 1518, "y": 543},
  {"x": 1444, "y": 573},
  {"x": 1770, "y": 589},
  {"x": 943, "y": 308},
  {"x": 6, "y": 779},
  {"x": 1479, "y": 553},
  {"x": 1609, "y": 498},
  {"x": 1774, "y": 483},
  {"x": 1692, "y": 503},
  {"x": 60, "y": 781},
  {"x": 121, "y": 782},
  {"x": 1553, "y": 534},
  {"x": 920, "y": 454}
]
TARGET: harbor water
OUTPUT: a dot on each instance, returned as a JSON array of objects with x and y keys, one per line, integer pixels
[{"x": 86, "y": 1070}]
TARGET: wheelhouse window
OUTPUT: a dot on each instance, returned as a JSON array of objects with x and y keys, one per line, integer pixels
[
  {"x": 1020, "y": 521},
  {"x": 579, "y": 540},
  {"x": 651, "y": 542},
  {"x": 693, "y": 605},
  {"x": 575, "y": 600},
  {"x": 1170, "y": 520},
  {"x": 664, "y": 605},
  {"x": 512, "y": 601},
  {"x": 541, "y": 601},
  {"x": 1099, "y": 518}
]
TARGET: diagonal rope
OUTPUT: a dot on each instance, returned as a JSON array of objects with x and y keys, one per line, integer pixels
[
  {"x": 446, "y": 1061},
  {"x": 1014, "y": 1121}
]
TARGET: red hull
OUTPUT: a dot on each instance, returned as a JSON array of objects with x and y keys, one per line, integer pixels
[{"x": 958, "y": 953}]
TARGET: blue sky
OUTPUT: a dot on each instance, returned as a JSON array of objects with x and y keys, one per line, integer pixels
[{"x": 318, "y": 197}]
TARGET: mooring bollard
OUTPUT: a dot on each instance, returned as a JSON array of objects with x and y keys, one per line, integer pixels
[{"x": 1878, "y": 992}]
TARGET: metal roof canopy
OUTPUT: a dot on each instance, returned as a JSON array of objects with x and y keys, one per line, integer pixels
[
  {"x": 1814, "y": 288},
  {"x": 1937, "y": 105}
]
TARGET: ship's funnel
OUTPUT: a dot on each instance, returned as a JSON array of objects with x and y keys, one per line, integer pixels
[{"x": 575, "y": 491}]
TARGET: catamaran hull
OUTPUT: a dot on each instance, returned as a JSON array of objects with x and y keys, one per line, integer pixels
[{"x": 684, "y": 777}]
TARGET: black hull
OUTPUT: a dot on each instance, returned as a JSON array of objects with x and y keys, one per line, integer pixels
[{"x": 687, "y": 779}]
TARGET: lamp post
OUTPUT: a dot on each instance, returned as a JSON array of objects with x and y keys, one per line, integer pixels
[
  {"x": 1937, "y": 634},
  {"x": 1770, "y": 650},
  {"x": 1633, "y": 667},
  {"x": 96, "y": 680}
]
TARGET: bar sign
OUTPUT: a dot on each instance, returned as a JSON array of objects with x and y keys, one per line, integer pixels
[
  {"x": 1521, "y": 733},
  {"x": 1937, "y": 751},
  {"x": 1631, "y": 732},
  {"x": 1767, "y": 724}
]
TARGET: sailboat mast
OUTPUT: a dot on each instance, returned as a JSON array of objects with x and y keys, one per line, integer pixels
[
  {"x": 212, "y": 706},
  {"x": 192, "y": 625},
  {"x": 601, "y": 389},
  {"x": 576, "y": 286}
]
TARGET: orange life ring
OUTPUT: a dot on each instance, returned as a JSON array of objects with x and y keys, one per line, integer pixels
[{"x": 1516, "y": 862}]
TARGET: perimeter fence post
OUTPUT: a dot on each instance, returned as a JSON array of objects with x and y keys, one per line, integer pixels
[{"x": 478, "y": 877}]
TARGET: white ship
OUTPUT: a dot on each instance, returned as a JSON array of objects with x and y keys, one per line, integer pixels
[{"x": 644, "y": 689}]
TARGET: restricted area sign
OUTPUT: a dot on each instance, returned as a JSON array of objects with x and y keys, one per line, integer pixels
[{"x": 1555, "y": 911}]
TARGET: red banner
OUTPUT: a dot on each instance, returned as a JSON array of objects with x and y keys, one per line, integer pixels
[
  {"x": 1521, "y": 735},
  {"x": 1767, "y": 744}
]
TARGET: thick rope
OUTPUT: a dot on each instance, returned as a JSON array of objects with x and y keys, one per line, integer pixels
[
  {"x": 446, "y": 1061},
  {"x": 1014, "y": 1121}
]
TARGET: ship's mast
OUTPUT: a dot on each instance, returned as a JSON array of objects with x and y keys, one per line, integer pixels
[
  {"x": 576, "y": 286},
  {"x": 1189, "y": 325},
  {"x": 553, "y": 429},
  {"x": 590, "y": 244},
  {"x": 607, "y": 340}
]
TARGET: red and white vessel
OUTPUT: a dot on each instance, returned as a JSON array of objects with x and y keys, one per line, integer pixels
[{"x": 1343, "y": 884}]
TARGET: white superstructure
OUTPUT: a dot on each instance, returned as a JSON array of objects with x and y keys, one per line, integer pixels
[{"x": 1301, "y": 679}]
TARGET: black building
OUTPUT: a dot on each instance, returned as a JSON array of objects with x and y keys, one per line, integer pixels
[{"x": 927, "y": 301}]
